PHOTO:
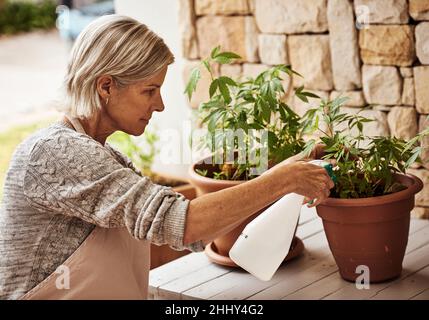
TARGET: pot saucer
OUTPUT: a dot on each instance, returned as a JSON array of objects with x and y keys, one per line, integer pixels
[{"x": 297, "y": 248}]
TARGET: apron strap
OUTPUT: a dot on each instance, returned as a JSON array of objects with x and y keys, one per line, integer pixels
[{"x": 75, "y": 123}]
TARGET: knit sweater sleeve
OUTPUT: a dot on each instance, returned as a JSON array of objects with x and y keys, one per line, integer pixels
[{"x": 74, "y": 175}]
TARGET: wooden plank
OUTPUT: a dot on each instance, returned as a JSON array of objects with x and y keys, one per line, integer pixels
[
  {"x": 414, "y": 261},
  {"x": 407, "y": 288},
  {"x": 175, "y": 270},
  {"x": 418, "y": 238},
  {"x": 297, "y": 280},
  {"x": 193, "y": 277},
  {"x": 316, "y": 249},
  {"x": 417, "y": 224},
  {"x": 210, "y": 288},
  {"x": 252, "y": 286},
  {"x": 255, "y": 289},
  {"x": 326, "y": 286},
  {"x": 307, "y": 214},
  {"x": 422, "y": 296},
  {"x": 318, "y": 289},
  {"x": 309, "y": 229},
  {"x": 174, "y": 289}
]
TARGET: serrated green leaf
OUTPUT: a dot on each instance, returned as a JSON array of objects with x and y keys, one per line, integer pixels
[
  {"x": 223, "y": 88},
  {"x": 192, "y": 83}
]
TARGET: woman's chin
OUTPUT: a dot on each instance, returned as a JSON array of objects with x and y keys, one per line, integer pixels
[{"x": 136, "y": 131}]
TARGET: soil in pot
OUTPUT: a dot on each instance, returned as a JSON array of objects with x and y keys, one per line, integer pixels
[{"x": 371, "y": 232}]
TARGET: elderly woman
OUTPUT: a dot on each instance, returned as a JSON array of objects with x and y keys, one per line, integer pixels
[{"x": 77, "y": 218}]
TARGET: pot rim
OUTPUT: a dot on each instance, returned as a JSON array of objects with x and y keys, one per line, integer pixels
[
  {"x": 411, "y": 190},
  {"x": 195, "y": 176}
]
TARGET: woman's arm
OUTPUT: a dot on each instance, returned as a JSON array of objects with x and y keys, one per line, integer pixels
[{"x": 217, "y": 213}]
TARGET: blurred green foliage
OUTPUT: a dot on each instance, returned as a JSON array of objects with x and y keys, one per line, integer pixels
[
  {"x": 24, "y": 16},
  {"x": 141, "y": 150},
  {"x": 10, "y": 139}
]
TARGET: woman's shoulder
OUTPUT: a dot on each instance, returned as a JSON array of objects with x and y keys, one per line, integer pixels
[{"x": 57, "y": 139}]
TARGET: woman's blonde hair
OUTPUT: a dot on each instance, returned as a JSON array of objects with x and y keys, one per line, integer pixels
[{"x": 113, "y": 45}]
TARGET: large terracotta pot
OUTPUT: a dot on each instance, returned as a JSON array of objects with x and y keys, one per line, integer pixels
[{"x": 372, "y": 232}]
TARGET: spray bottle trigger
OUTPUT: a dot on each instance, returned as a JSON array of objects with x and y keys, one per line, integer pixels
[{"x": 329, "y": 169}]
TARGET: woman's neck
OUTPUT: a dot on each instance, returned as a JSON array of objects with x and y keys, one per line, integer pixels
[{"x": 98, "y": 127}]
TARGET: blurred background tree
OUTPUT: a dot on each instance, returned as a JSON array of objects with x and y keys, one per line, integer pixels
[{"x": 23, "y": 16}]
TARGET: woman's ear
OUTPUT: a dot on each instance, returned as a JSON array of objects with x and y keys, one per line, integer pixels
[{"x": 104, "y": 86}]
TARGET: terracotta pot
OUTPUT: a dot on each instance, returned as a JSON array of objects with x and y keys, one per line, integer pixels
[
  {"x": 206, "y": 185},
  {"x": 372, "y": 232}
]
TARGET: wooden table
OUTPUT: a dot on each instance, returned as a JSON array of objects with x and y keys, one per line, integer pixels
[{"x": 314, "y": 275}]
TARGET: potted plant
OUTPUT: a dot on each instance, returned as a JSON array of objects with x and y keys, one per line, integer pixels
[
  {"x": 142, "y": 152},
  {"x": 242, "y": 108},
  {"x": 367, "y": 216}
]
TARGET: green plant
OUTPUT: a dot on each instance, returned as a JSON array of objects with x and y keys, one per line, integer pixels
[
  {"x": 141, "y": 151},
  {"x": 240, "y": 106},
  {"x": 24, "y": 16},
  {"x": 365, "y": 165}
]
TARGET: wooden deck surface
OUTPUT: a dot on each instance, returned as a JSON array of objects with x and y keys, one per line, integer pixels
[{"x": 314, "y": 275}]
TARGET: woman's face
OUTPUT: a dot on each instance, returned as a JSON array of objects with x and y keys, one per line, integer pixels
[{"x": 130, "y": 108}]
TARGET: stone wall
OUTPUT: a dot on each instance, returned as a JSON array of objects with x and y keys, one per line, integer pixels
[{"x": 374, "y": 51}]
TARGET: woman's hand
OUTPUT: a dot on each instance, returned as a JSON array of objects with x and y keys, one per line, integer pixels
[{"x": 309, "y": 180}]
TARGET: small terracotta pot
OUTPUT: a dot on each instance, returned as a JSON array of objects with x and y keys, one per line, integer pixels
[
  {"x": 372, "y": 232},
  {"x": 206, "y": 185}
]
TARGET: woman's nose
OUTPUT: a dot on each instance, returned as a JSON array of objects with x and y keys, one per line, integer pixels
[{"x": 159, "y": 104}]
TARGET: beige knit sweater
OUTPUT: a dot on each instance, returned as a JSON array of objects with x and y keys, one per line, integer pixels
[{"x": 59, "y": 186}]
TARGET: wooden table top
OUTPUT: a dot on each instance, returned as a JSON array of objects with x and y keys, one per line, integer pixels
[{"x": 314, "y": 275}]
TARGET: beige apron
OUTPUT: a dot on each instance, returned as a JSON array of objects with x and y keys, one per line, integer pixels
[{"x": 109, "y": 264}]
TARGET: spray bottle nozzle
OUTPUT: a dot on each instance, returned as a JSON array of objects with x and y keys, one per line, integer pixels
[{"x": 329, "y": 169}]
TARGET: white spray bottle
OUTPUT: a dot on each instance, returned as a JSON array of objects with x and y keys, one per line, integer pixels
[{"x": 266, "y": 240}]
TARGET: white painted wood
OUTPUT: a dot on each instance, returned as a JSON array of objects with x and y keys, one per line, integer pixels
[
  {"x": 318, "y": 289},
  {"x": 407, "y": 288},
  {"x": 307, "y": 214},
  {"x": 219, "y": 288},
  {"x": 417, "y": 224},
  {"x": 422, "y": 296},
  {"x": 209, "y": 289},
  {"x": 418, "y": 239},
  {"x": 310, "y": 228},
  {"x": 316, "y": 249},
  {"x": 175, "y": 270},
  {"x": 298, "y": 280},
  {"x": 312, "y": 276},
  {"x": 174, "y": 289}
]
